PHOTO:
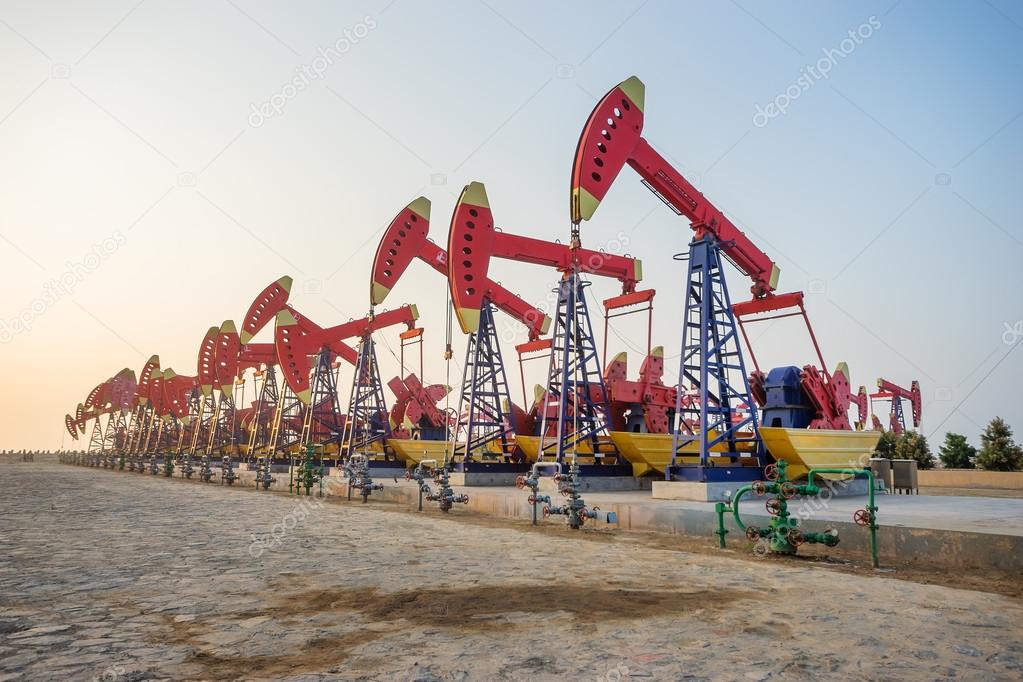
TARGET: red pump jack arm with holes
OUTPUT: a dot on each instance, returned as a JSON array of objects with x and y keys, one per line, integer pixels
[
  {"x": 473, "y": 240},
  {"x": 272, "y": 301},
  {"x": 71, "y": 426},
  {"x": 144, "y": 386},
  {"x": 176, "y": 388},
  {"x": 95, "y": 404},
  {"x": 122, "y": 395},
  {"x": 613, "y": 138},
  {"x": 206, "y": 366},
  {"x": 231, "y": 359},
  {"x": 96, "y": 400},
  {"x": 116, "y": 394},
  {"x": 156, "y": 392},
  {"x": 80, "y": 417}
]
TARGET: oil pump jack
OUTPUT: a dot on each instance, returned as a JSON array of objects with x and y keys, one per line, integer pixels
[
  {"x": 231, "y": 361},
  {"x": 139, "y": 413},
  {"x": 896, "y": 394},
  {"x": 203, "y": 401},
  {"x": 485, "y": 399},
  {"x": 308, "y": 404},
  {"x": 297, "y": 340},
  {"x": 274, "y": 422},
  {"x": 178, "y": 396},
  {"x": 712, "y": 375},
  {"x": 575, "y": 413},
  {"x": 122, "y": 399},
  {"x": 144, "y": 420},
  {"x": 113, "y": 398},
  {"x": 92, "y": 410}
]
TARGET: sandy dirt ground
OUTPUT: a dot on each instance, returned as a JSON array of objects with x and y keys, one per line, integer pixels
[{"x": 117, "y": 576}]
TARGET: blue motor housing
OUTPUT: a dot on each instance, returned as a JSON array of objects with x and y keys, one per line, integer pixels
[{"x": 787, "y": 406}]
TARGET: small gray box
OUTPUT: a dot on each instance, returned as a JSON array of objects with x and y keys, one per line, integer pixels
[
  {"x": 904, "y": 476},
  {"x": 882, "y": 469}
]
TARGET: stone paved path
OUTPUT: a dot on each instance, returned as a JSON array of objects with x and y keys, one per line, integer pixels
[{"x": 117, "y": 576}]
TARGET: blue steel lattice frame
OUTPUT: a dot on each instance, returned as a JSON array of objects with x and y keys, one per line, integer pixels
[
  {"x": 367, "y": 420},
  {"x": 323, "y": 407},
  {"x": 712, "y": 363},
  {"x": 484, "y": 388},
  {"x": 575, "y": 371}
]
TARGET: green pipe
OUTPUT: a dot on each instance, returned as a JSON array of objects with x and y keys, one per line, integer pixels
[
  {"x": 871, "y": 507},
  {"x": 735, "y": 506},
  {"x": 719, "y": 508}
]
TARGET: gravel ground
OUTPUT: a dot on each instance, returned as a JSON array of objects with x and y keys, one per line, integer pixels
[{"x": 118, "y": 576}]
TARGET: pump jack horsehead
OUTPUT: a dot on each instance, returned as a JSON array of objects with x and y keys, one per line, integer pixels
[{"x": 711, "y": 428}]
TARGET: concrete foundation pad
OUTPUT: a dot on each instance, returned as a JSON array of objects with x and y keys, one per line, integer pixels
[
  {"x": 601, "y": 484},
  {"x": 690, "y": 490},
  {"x": 719, "y": 492},
  {"x": 484, "y": 478}
]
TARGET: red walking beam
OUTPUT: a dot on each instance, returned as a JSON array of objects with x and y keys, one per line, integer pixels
[{"x": 613, "y": 138}]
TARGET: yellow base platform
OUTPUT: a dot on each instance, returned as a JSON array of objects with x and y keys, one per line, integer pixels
[
  {"x": 530, "y": 446},
  {"x": 652, "y": 451},
  {"x": 412, "y": 451},
  {"x": 803, "y": 449}
]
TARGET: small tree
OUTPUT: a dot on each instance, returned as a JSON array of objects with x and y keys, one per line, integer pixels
[
  {"x": 886, "y": 446},
  {"x": 998, "y": 451},
  {"x": 913, "y": 445},
  {"x": 956, "y": 452}
]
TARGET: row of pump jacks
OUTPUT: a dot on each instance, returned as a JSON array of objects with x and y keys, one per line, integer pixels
[{"x": 711, "y": 411}]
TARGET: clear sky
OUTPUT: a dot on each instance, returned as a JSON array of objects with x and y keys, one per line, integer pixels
[{"x": 142, "y": 169}]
